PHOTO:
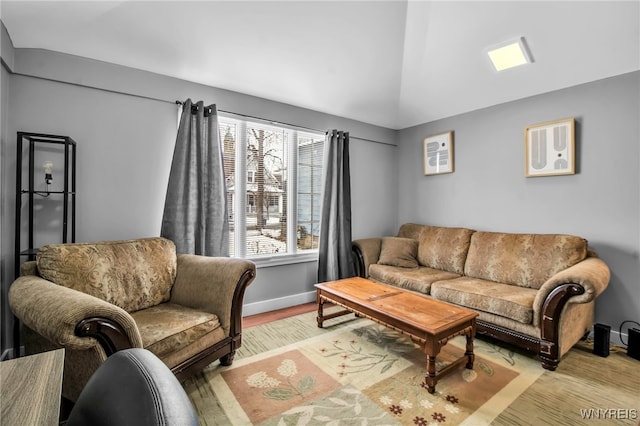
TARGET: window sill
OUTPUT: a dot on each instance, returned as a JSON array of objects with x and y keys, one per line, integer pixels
[{"x": 284, "y": 259}]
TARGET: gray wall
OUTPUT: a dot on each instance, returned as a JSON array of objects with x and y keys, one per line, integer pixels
[
  {"x": 488, "y": 190},
  {"x": 124, "y": 122}
]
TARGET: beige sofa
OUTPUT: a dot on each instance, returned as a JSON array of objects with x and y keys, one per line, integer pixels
[
  {"x": 94, "y": 299},
  {"x": 534, "y": 291}
]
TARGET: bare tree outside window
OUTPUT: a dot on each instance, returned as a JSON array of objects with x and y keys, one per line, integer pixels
[
  {"x": 261, "y": 154},
  {"x": 266, "y": 160}
]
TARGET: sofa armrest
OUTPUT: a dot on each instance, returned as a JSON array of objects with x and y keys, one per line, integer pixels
[
  {"x": 592, "y": 275},
  {"x": 581, "y": 283},
  {"x": 215, "y": 285},
  {"x": 366, "y": 251},
  {"x": 69, "y": 318}
]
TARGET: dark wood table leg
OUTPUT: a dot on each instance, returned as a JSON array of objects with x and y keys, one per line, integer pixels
[
  {"x": 431, "y": 378},
  {"x": 469, "y": 352},
  {"x": 432, "y": 348},
  {"x": 320, "y": 317}
]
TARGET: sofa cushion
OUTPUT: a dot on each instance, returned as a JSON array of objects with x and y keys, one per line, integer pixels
[
  {"x": 168, "y": 326},
  {"x": 131, "y": 274},
  {"x": 526, "y": 260},
  {"x": 417, "y": 279},
  {"x": 444, "y": 248},
  {"x": 401, "y": 252},
  {"x": 504, "y": 300}
]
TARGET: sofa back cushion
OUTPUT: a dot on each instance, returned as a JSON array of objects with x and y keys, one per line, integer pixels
[
  {"x": 411, "y": 230},
  {"x": 526, "y": 260},
  {"x": 439, "y": 247},
  {"x": 132, "y": 274}
]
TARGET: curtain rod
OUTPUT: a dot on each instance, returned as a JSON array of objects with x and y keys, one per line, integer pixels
[
  {"x": 264, "y": 119},
  {"x": 151, "y": 98},
  {"x": 292, "y": 125}
]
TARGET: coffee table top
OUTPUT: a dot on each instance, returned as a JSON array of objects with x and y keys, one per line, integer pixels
[{"x": 395, "y": 304}]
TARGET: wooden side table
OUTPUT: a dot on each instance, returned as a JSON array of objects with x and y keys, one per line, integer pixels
[{"x": 31, "y": 389}]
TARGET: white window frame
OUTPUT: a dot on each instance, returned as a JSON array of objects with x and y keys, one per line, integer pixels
[{"x": 240, "y": 243}]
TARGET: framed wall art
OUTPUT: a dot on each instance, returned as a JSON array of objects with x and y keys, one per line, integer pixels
[
  {"x": 550, "y": 148},
  {"x": 438, "y": 154}
]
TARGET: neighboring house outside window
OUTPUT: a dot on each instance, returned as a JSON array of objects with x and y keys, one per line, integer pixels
[{"x": 274, "y": 177}]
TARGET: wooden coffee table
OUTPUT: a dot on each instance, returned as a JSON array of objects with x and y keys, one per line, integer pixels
[{"x": 428, "y": 322}]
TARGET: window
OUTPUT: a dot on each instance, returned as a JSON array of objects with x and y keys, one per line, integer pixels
[{"x": 274, "y": 178}]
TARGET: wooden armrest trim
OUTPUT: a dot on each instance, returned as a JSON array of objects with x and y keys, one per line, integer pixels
[
  {"x": 550, "y": 323},
  {"x": 358, "y": 262},
  {"x": 109, "y": 334},
  {"x": 236, "y": 305}
]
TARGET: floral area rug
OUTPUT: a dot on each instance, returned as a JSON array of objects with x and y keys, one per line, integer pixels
[{"x": 366, "y": 374}]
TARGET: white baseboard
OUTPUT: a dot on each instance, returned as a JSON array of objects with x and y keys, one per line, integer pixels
[
  {"x": 279, "y": 303},
  {"x": 616, "y": 338}
]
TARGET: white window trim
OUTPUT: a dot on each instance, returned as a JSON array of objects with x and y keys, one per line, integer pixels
[{"x": 268, "y": 260}]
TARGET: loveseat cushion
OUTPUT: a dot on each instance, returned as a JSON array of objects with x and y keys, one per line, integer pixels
[
  {"x": 504, "y": 300},
  {"x": 168, "y": 326},
  {"x": 131, "y": 274},
  {"x": 417, "y": 279},
  {"x": 401, "y": 252},
  {"x": 444, "y": 248},
  {"x": 525, "y": 260}
]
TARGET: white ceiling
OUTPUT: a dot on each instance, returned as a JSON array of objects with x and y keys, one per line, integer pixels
[{"x": 390, "y": 63}]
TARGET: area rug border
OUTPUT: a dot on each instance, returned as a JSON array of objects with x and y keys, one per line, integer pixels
[{"x": 528, "y": 372}]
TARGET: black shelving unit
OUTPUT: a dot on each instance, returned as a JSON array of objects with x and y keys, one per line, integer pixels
[{"x": 28, "y": 145}]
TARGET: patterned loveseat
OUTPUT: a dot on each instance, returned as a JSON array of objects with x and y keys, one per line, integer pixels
[
  {"x": 534, "y": 291},
  {"x": 94, "y": 299}
]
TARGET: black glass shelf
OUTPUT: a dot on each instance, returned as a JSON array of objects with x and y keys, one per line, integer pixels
[{"x": 25, "y": 191}]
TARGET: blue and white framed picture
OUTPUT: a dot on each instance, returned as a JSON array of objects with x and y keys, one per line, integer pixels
[{"x": 438, "y": 154}]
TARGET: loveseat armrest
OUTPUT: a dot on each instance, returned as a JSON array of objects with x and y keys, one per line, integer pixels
[
  {"x": 591, "y": 276},
  {"x": 366, "y": 251},
  {"x": 215, "y": 285},
  {"x": 70, "y": 318}
]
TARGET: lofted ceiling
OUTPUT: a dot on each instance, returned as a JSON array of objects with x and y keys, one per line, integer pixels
[{"x": 391, "y": 63}]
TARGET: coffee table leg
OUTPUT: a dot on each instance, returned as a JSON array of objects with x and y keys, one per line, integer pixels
[
  {"x": 320, "y": 317},
  {"x": 469, "y": 352},
  {"x": 431, "y": 378}
]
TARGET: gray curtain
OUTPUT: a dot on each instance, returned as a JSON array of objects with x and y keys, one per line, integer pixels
[
  {"x": 195, "y": 211},
  {"x": 335, "y": 259}
]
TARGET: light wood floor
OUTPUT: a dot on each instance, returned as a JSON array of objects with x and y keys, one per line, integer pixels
[{"x": 253, "y": 320}]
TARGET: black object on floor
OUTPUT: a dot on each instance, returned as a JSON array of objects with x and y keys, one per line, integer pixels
[
  {"x": 601, "y": 337},
  {"x": 633, "y": 348}
]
